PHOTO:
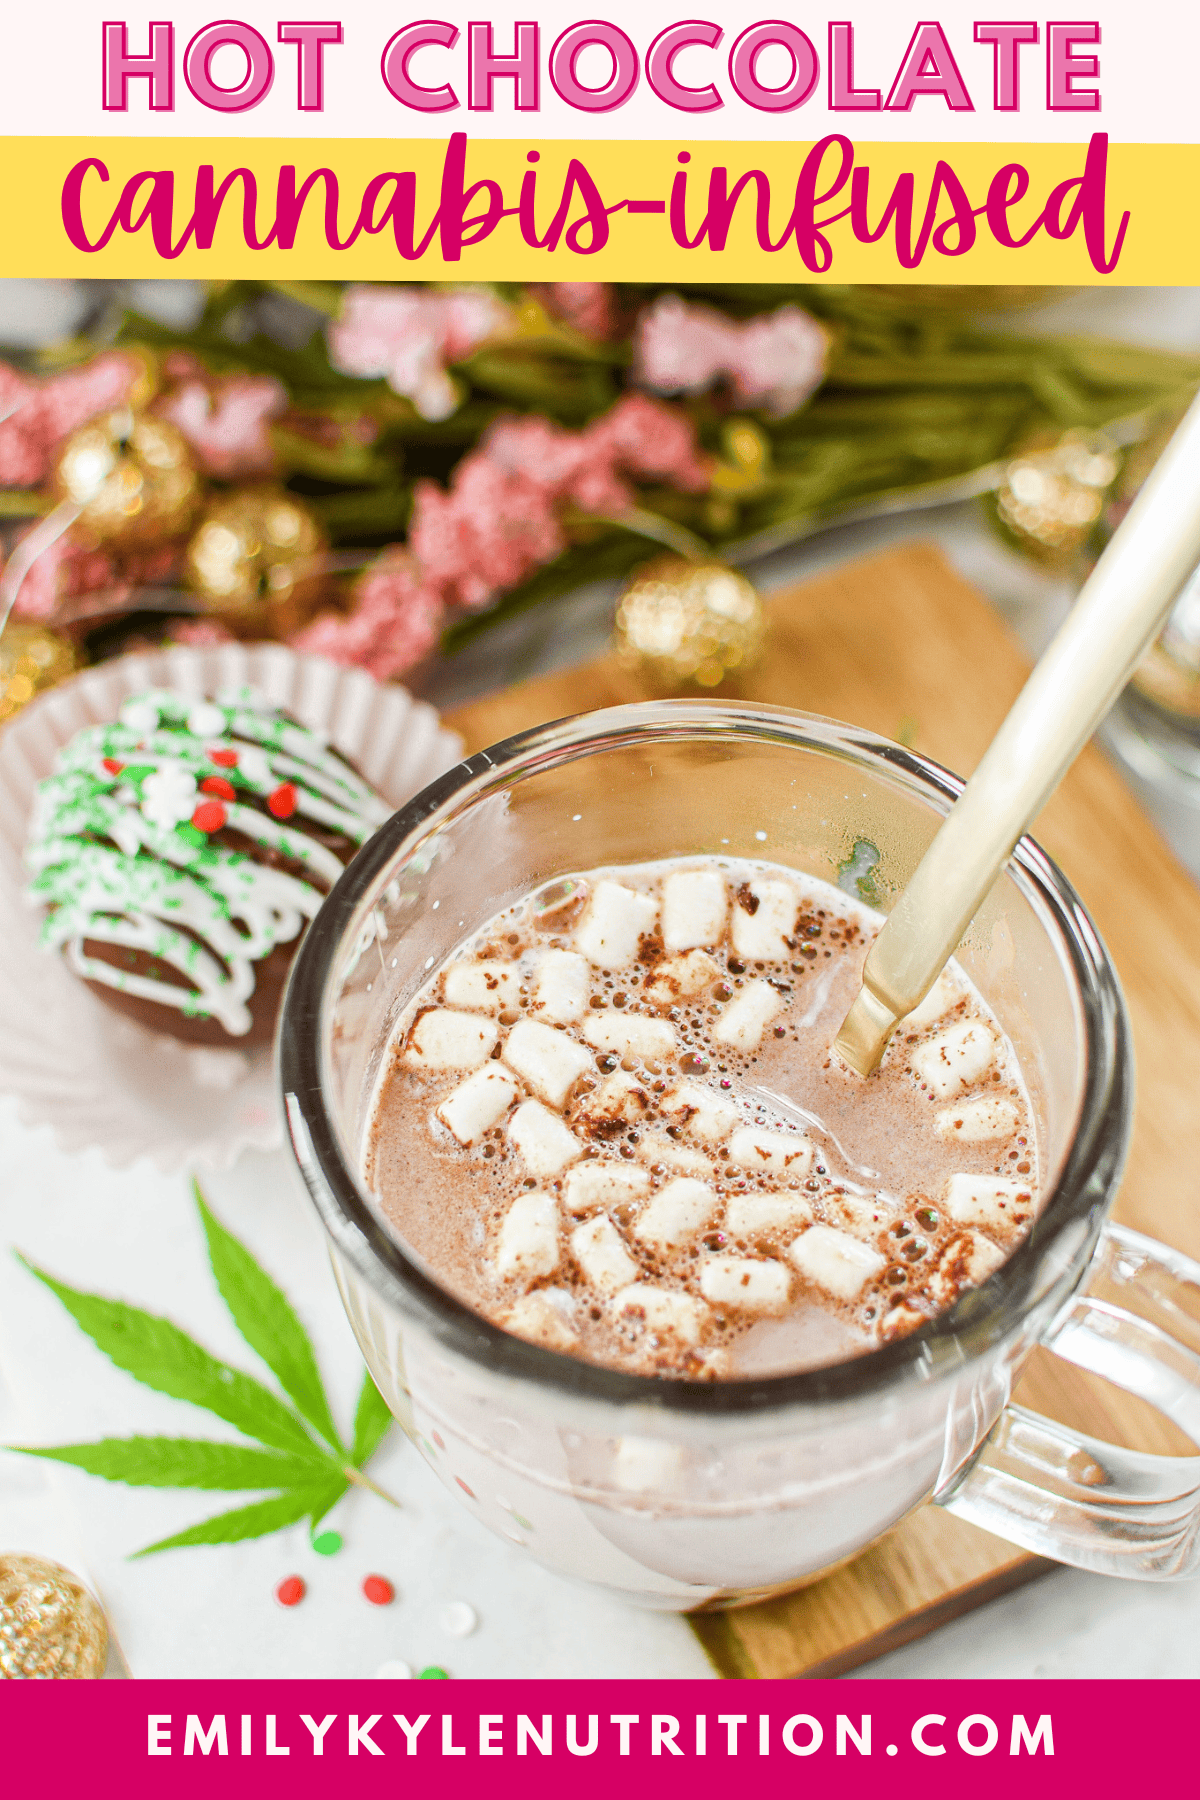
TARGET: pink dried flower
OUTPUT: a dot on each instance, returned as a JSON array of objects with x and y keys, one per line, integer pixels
[
  {"x": 67, "y": 570},
  {"x": 499, "y": 521},
  {"x": 225, "y": 422},
  {"x": 493, "y": 528},
  {"x": 22, "y": 454},
  {"x": 410, "y": 334},
  {"x": 181, "y": 365},
  {"x": 773, "y": 362},
  {"x": 653, "y": 441},
  {"x": 681, "y": 348},
  {"x": 394, "y": 623},
  {"x": 46, "y": 583},
  {"x": 68, "y": 400},
  {"x": 35, "y": 416},
  {"x": 587, "y": 306},
  {"x": 781, "y": 360}
]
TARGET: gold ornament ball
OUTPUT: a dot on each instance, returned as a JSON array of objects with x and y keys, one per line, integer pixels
[
  {"x": 131, "y": 475},
  {"x": 1052, "y": 497},
  {"x": 688, "y": 624},
  {"x": 31, "y": 659},
  {"x": 257, "y": 560},
  {"x": 51, "y": 1628}
]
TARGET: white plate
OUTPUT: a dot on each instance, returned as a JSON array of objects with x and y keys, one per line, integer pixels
[{"x": 100, "y": 1080}]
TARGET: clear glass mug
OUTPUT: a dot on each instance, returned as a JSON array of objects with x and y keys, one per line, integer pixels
[{"x": 680, "y": 1493}]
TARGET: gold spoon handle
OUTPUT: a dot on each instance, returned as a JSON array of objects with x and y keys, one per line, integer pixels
[{"x": 1120, "y": 610}]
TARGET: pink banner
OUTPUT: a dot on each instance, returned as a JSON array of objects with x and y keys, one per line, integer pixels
[{"x": 297, "y": 1738}]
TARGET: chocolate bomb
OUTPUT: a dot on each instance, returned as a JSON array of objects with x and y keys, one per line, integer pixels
[{"x": 181, "y": 851}]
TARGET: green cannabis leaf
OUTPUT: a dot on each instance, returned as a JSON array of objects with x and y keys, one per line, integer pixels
[
  {"x": 266, "y": 1321},
  {"x": 310, "y": 1472}
]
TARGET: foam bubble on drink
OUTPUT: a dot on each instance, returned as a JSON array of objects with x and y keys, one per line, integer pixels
[{"x": 612, "y": 1124}]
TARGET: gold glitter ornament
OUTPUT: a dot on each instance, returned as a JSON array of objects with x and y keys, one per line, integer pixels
[
  {"x": 31, "y": 659},
  {"x": 682, "y": 623},
  {"x": 51, "y": 1628},
  {"x": 132, "y": 477},
  {"x": 257, "y": 560},
  {"x": 1051, "y": 497}
]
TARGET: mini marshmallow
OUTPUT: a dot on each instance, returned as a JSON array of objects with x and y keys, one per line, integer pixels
[
  {"x": 619, "y": 1100},
  {"x": 993, "y": 1202},
  {"x": 900, "y": 1321},
  {"x": 478, "y": 1103},
  {"x": 955, "y": 1059},
  {"x": 966, "y": 1261},
  {"x": 745, "y": 1281},
  {"x": 450, "y": 1040},
  {"x": 549, "y": 1060},
  {"x": 604, "y": 1184},
  {"x": 630, "y": 1034},
  {"x": 545, "y": 1144},
  {"x": 657, "y": 1147},
  {"x": 700, "y": 1112},
  {"x": 681, "y": 978},
  {"x": 748, "y": 1214},
  {"x": 747, "y": 1016},
  {"x": 598, "y": 1248},
  {"x": 771, "y": 1152},
  {"x": 528, "y": 1244},
  {"x": 977, "y": 1120},
  {"x": 646, "y": 1465},
  {"x": 693, "y": 908},
  {"x": 562, "y": 988},
  {"x": 861, "y": 1218},
  {"x": 663, "y": 1309},
  {"x": 936, "y": 1004},
  {"x": 833, "y": 1260},
  {"x": 538, "y": 1318},
  {"x": 482, "y": 986},
  {"x": 759, "y": 935},
  {"x": 676, "y": 1213},
  {"x": 614, "y": 924}
]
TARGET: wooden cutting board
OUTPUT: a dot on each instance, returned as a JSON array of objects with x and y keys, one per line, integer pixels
[{"x": 902, "y": 645}]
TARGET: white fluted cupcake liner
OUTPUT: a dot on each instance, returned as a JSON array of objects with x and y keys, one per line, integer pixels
[{"x": 100, "y": 1080}]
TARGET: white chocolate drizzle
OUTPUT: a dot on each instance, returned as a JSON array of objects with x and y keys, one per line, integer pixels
[{"x": 120, "y": 848}]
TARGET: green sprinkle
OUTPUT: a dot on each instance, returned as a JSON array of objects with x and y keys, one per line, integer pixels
[
  {"x": 328, "y": 1544},
  {"x": 433, "y": 1673},
  {"x": 191, "y": 834},
  {"x": 856, "y": 874}
]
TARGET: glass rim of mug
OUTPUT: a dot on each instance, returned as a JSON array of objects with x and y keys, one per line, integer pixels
[{"x": 982, "y": 1316}]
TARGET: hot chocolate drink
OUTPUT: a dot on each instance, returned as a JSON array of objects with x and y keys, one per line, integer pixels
[{"x": 612, "y": 1123}]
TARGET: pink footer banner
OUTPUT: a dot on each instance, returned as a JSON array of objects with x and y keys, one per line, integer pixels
[{"x": 296, "y": 1738}]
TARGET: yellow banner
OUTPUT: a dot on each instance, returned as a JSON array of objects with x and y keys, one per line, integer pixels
[{"x": 400, "y": 209}]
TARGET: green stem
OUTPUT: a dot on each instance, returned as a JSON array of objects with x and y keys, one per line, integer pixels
[{"x": 364, "y": 1481}]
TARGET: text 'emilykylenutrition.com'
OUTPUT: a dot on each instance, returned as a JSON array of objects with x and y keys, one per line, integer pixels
[{"x": 636, "y": 1735}]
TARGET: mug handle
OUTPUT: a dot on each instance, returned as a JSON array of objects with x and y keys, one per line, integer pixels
[{"x": 1071, "y": 1497}]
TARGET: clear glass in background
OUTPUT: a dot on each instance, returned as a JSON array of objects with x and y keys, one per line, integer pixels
[{"x": 679, "y": 1493}]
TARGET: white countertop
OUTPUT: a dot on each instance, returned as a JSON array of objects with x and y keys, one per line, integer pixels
[{"x": 209, "y": 1611}]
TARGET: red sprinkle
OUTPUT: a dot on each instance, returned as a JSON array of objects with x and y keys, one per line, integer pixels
[
  {"x": 217, "y": 784},
  {"x": 226, "y": 759},
  {"x": 470, "y": 1492},
  {"x": 291, "y": 1591},
  {"x": 209, "y": 816},
  {"x": 112, "y": 765},
  {"x": 379, "y": 1590},
  {"x": 281, "y": 803}
]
